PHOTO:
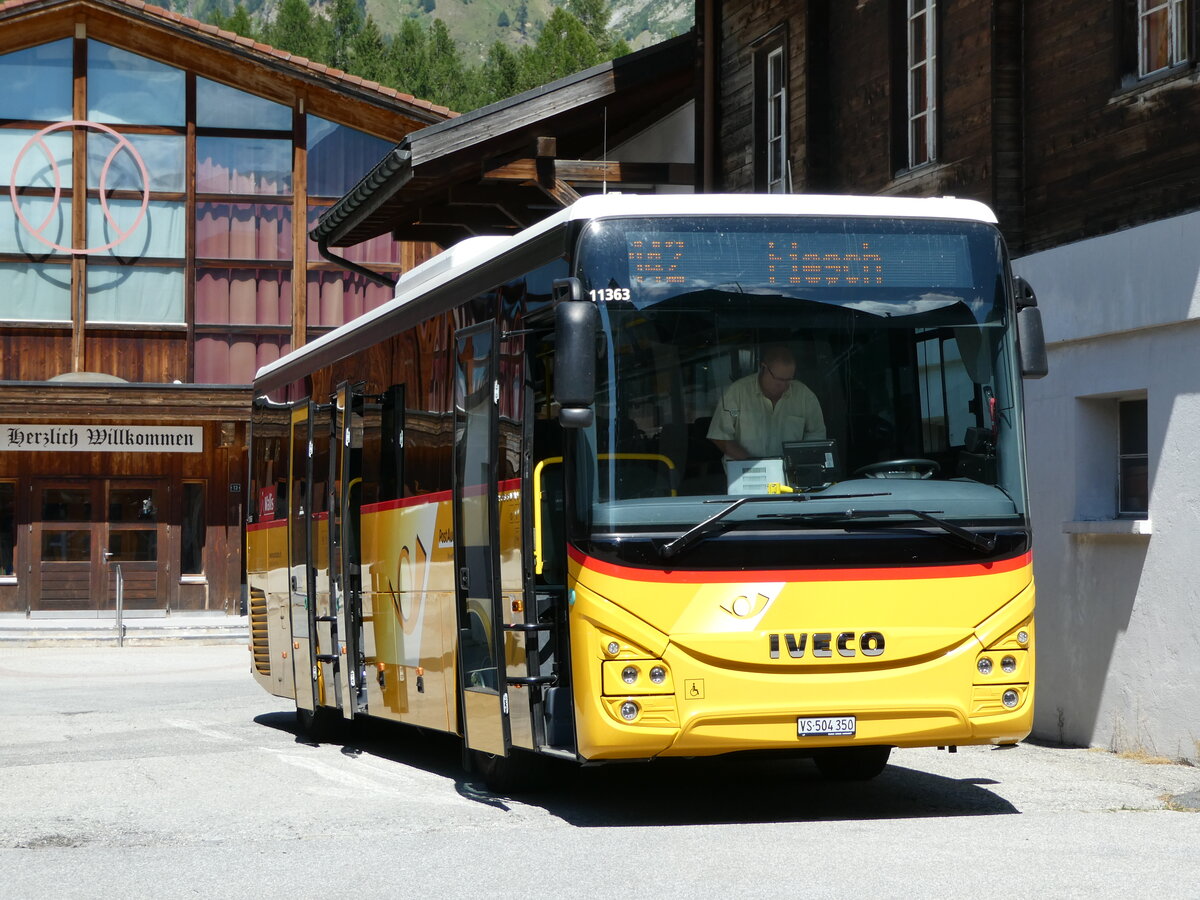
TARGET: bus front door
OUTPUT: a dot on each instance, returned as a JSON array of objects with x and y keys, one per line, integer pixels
[
  {"x": 483, "y": 691},
  {"x": 345, "y": 551}
]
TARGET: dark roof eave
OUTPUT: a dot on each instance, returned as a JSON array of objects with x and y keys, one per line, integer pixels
[{"x": 379, "y": 185}]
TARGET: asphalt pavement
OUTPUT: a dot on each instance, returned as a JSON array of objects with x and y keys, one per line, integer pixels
[{"x": 165, "y": 771}]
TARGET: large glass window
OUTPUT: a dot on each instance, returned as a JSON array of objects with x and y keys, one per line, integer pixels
[
  {"x": 35, "y": 292},
  {"x": 41, "y": 164},
  {"x": 221, "y": 106},
  {"x": 234, "y": 358},
  {"x": 336, "y": 297},
  {"x": 260, "y": 231},
  {"x": 127, "y": 240},
  {"x": 163, "y": 156},
  {"x": 135, "y": 295},
  {"x": 237, "y": 296},
  {"x": 243, "y": 166},
  {"x": 338, "y": 157},
  {"x": 38, "y": 83},
  {"x": 46, "y": 224},
  {"x": 158, "y": 231},
  {"x": 128, "y": 89}
]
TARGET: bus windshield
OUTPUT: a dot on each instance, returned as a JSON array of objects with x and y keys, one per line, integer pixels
[{"x": 842, "y": 362}]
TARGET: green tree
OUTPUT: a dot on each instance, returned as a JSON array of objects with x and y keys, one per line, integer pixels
[
  {"x": 241, "y": 23},
  {"x": 594, "y": 16},
  {"x": 296, "y": 30},
  {"x": 345, "y": 22},
  {"x": 368, "y": 53},
  {"x": 406, "y": 60},
  {"x": 447, "y": 75},
  {"x": 563, "y": 47},
  {"x": 502, "y": 19},
  {"x": 501, "y": 74}
]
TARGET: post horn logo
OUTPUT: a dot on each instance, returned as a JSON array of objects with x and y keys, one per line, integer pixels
[{"x": 122, "y": 146}]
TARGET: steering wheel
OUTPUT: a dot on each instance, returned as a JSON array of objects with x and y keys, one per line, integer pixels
[{"x": 900, "y": 468}]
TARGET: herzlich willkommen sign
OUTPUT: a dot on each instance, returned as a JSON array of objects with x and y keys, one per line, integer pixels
[{"x": 101, "y": 438}]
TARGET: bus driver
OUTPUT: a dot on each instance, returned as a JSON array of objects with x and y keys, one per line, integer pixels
[{"x": 761, "y": 411}]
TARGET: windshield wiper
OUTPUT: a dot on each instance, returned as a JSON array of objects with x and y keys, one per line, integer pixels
[
  {"x": 984, "y": 543},
  {"x": 712, "y": 523}
]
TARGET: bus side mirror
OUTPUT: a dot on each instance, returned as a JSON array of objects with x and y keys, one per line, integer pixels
[
  {"x": 575, "y": 324},
  {"x": 1031, "y": 341}
]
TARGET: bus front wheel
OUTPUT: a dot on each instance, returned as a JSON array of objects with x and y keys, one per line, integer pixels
[
  {"x": 852, "y": 763},
  {"x": 505, "y": 774}
]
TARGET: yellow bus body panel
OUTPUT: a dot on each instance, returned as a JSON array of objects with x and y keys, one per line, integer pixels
[{"x": 896, "y": 649}]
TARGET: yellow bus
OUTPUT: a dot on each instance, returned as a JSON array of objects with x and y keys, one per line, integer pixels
[{"x": 663, "y": 476}]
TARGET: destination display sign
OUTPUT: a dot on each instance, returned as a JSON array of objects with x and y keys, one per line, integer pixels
[{"x": 820, "y": 260}]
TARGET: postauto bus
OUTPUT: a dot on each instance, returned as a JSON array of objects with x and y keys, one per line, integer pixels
[{"x": 494, "y": 506}]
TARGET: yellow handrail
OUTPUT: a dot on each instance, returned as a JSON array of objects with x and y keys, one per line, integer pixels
[
  {"x": 537, "y": 510},
  {"x": 538, "y": 562}
]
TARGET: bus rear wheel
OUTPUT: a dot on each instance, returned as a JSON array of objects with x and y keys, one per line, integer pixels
[
  {"x": 852, "y": 763},
  {"x": 320, "y": 725}
]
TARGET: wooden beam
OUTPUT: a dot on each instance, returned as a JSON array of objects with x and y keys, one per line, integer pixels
[
  {"x": 446, "y": 235},
  {"x": 474, "y": 218},
  {"x": 552, "y": 186},
  {"x": 591, "y": 171}
]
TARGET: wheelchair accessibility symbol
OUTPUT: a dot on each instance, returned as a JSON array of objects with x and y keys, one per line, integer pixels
[{"x": 693, "y": 688}]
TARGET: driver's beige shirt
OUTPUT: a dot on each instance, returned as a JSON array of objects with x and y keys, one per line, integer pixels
[{"x": 745, "y": 415}]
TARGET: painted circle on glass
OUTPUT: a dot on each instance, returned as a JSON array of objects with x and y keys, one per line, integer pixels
[{"x": 122, "y": 146}]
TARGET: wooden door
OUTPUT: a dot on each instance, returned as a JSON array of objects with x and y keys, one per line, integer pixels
[
  {"x": 83, "y": 530},
  {"x": 134, "y": 533},
  {"x": 65, "y": 546}
]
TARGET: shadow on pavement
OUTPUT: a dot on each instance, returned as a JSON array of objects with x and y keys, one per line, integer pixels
[{"x": 713, "y": 791}]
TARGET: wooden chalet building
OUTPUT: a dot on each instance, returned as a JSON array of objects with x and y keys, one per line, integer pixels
[
  {"x": 1077, "y": 122},
  {"x": 159, "y": 178}
]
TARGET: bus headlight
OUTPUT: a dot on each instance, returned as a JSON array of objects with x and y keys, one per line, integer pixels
[
  {"x": 1008, "y": 665},
  {"x": 622, "y": 678},
  {"x": 629, "y": 710},
  {"x": 1010, "y": 698},
  {"x": 984, "y": 665}
]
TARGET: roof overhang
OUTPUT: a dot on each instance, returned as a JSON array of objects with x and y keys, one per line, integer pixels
[{"x": 505, "y": 166}]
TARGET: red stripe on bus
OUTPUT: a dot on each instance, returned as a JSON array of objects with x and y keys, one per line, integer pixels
[
  {"x": 692, "y": 576},
  {"x": 407, "y": 502},
  {"x": 262, "y": 526},
  {"x": 510, "y": 484}
]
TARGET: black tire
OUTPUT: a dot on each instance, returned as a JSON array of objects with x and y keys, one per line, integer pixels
[
  {"x": 852, "y": 763},
  {"x": 506, "y": 774},
  {"x": 321, "y": 725}
]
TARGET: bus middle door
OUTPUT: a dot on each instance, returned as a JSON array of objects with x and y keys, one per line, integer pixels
[{"x": 482, "y": 685}]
